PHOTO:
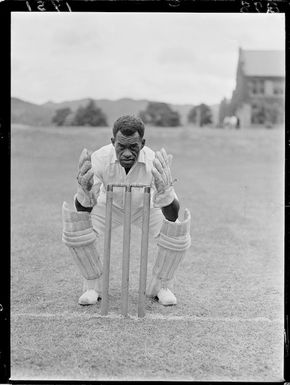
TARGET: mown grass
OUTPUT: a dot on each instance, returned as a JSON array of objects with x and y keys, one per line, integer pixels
[{"x": 229, "y": 287}]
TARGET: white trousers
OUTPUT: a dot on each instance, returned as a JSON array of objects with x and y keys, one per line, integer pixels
[
  {"x": 165, "y": 262},
  {"x": 98, "y": 215}
]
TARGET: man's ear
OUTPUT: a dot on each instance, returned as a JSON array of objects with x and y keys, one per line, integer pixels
[
  {"x": 143, "y": 143},
  {"x": 113, "y": 141}
]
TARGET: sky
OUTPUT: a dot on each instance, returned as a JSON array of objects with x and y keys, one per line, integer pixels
[{"x": 179, "y": 58}]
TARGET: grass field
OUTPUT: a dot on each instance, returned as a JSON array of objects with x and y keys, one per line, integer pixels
[{"x": 228, "y": 323}]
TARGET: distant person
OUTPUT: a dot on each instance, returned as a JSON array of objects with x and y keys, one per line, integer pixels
[
  {"x": 230, "y": 122},
  {"x": 126, "y": 160}
]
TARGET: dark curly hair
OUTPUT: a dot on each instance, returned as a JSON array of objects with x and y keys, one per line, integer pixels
[{"x": 128, "y": 125}]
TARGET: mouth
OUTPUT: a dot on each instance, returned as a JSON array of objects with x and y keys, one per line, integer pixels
[{"x": 127, "y": 161}]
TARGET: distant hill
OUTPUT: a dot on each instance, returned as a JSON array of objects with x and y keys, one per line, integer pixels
[
  {"x": 29, "y": 113},
  {"x": 33, "y": 114},
  {"x": 113, "y": 109}
]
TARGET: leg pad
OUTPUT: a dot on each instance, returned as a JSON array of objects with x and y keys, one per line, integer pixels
[
  {"x": 79, "y": 236},
  {"x": 173, "y": 241}
]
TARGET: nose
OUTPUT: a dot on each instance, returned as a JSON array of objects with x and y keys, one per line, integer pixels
[{"x": 127, "y": 154}]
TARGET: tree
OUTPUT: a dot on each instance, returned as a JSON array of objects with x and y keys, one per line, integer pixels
[
  {"x": 69, "y": 120},
  {"x": 224, "y": 110},
  {"x": 200, "y": 115},
  {"x": 90, "y": 115},
  {"x": 61, "y": 115},
  {"x": 160, "y": 114}
]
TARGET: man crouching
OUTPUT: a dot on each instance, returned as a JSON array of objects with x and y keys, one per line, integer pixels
[{"x": 126, "y": 160}]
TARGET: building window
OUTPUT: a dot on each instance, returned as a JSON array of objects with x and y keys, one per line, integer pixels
[
  {"x": 278, "y": 88},
  {"x": 257, "y": 87},
  {"x": 258, "y": 114},
  {"x": 267, "y": 112}
]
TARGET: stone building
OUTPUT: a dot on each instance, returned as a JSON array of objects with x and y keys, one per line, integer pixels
[{"x": 258, "y": 99}]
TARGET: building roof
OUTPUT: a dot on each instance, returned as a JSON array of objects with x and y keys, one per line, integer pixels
[{"x": 263, "y": 63}]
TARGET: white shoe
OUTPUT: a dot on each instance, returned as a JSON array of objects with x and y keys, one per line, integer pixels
[
  {"x": 155, "y": 286},
  {"x": 166, "y": 297},
  {"x": 90, "y": 297}
]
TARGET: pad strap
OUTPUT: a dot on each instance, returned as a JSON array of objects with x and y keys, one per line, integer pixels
[
  {"x": 77, "y": 228},
  {"x": 78, "y": 240},
  {"x": 176, "y": 244}
]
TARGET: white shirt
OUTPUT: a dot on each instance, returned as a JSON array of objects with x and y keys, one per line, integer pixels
[{"x": 107, "y": 170}]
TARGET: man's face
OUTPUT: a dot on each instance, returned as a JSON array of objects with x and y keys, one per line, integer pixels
[{"x": 127, "y": 148}]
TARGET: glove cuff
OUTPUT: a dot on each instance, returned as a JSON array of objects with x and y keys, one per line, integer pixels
[
  {"x": 163, "y": 199},
  {"x": 84, "y": 198}
]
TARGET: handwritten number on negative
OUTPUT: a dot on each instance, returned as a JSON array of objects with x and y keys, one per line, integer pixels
[
  {"x": 45, "y": 5},
  {"x": 245, "y": 6},
  {"x": 174, "y": 3},
  {"x": 257, "y": 6},
  {"x": 28, "y": 6},
  {"x": 40, "y": 5},
  {"x": 58, "y": 5},
  {"x": 272, "y": 8}
]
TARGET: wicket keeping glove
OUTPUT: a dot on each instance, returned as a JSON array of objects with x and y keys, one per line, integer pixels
[
  {"x": 164, "y": 194},
  {"x": 86, "y": 193}
]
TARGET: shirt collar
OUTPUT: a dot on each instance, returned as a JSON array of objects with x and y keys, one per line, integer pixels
[{"x": 141, "y": 156}]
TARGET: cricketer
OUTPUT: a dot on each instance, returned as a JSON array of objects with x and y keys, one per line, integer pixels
[{"x": 126, "y": 160}]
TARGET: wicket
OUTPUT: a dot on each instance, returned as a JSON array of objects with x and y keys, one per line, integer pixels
[{"x": 126, "y": 249}]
